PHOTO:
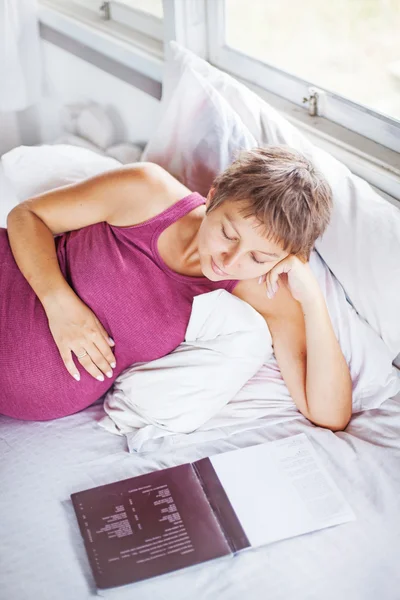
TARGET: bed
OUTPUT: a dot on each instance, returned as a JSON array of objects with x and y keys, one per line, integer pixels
[{"x": 42, "y": 553}]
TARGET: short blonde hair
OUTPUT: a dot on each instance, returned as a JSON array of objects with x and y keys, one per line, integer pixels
[{"x": 282, "y": 189}]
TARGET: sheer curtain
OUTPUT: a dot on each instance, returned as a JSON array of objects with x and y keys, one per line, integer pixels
[{"x": 20, "y": 74}]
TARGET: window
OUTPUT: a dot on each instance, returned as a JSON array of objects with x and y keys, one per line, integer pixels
[
  {"x": 338, "y": 60},
  {"x": 349, "y": 50}
]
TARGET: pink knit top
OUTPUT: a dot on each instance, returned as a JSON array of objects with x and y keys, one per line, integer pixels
[{"x": 118, "y": 272}]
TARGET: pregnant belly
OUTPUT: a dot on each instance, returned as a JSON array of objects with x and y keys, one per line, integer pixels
[{"x": 34, "y": 383}]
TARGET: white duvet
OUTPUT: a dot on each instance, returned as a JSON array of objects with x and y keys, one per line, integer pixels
[{"x": 225, "y": 373}]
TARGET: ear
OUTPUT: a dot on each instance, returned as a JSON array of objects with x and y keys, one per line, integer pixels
[{"x": 210, "y": 196}]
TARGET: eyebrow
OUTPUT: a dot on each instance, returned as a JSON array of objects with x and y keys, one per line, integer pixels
[{"x": 273, "y": 254}]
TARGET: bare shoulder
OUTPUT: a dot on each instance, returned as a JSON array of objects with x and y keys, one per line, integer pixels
[
  {"x": 163, "y": 186},
  {"x": 149, "y": 190},
  {"x": 281, "y": 305},
  {"x": 128, "y": 195}
]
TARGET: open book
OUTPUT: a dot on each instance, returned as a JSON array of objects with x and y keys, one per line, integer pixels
[{"x": 217, "y": 506}]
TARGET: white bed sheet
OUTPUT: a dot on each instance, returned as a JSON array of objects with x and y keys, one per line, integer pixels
[{"x": 42, "y": 553}]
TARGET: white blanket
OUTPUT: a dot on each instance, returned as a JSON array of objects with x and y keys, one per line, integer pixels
[
  {"x": 225, "y": 374},
  {"x": 44, "y": 462}
]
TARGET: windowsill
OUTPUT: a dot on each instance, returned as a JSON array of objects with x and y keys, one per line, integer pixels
[
  {"x": 373, "y": 162},
  {"x": 126, "y": 46}
]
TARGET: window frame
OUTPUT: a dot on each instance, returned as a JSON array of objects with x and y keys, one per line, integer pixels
[
  {"x": 333, "y": 107},
  {"x": 111, "y": 12},
  {"x": 124, "y": 45},
  {"x": 184, "y": 22}
]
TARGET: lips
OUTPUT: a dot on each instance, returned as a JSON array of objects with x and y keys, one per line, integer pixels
[{"x": 216, "y": 269}]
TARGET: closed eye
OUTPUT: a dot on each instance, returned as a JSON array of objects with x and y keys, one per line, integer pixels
[
  {"x": 224, "y": 234},
  {"x": 259, "y": 262}
]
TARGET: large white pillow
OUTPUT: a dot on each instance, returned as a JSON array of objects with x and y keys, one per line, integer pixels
[
  {"x": 199, "y": 134},
  {"x": 226, "y": 343},
  {"x": 362, "y": 243},
  {"x": 32, "y": 170}
]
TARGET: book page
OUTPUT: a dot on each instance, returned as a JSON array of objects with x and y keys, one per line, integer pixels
[
  {"x": 280, "y": 489},
  {"x": 148, "y": 525}
]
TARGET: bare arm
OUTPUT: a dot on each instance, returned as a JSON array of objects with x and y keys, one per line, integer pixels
[
  {"x": 112, "y": 197},
  {"x": 311, "y": 362},
  {"x": 125, "y": 196},
  {"x": 328, "y": 384},
  {"x": 307, "y": 352}
]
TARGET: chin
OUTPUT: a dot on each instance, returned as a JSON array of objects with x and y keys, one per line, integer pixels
[
  {"x": 209, "y": 273},
  {"x": 206, "y": 269}
]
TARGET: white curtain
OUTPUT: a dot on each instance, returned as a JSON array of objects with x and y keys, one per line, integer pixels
[{"x": 20, "y": 73}]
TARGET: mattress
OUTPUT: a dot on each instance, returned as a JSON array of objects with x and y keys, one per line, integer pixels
[{"x": 42, "y": 553}]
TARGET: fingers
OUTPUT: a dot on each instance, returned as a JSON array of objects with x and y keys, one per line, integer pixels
[
  {"x": 99, "y": 360},
  {"x": 109, "y": 341},
  {"x": 104, "y": 350},
  {"x": 69, "y": 364},
  {"x": 271, "y": 279},
  {"x": 272, "y": 286},
  {"x": 95, "y": 363},
  {"x": 97, "y": 345}
]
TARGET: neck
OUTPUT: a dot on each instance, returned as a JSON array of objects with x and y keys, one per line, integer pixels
[{"x": 189, "y": 254}]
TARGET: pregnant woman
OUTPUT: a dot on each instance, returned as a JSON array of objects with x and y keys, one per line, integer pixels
[{"x": 99, "y": 275}]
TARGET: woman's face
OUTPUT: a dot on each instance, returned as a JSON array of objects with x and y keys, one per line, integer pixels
[{"x": 232, "y": 247}]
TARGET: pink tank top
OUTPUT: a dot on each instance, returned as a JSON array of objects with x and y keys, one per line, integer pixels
[{"x": 118, "y": 272}]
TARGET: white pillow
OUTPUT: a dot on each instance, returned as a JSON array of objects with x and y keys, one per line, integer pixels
[
  {"x": 199, "y": 134},
  {"x": 362, "y": 242},
  {"x": 32, "y": 170},
  {"x": 226, "y": 343}
]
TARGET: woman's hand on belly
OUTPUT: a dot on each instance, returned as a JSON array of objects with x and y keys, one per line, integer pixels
[{"x": 75, "y": 328}]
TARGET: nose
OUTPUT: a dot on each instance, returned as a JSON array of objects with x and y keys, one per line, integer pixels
[{"x": 230, "y": 258}]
